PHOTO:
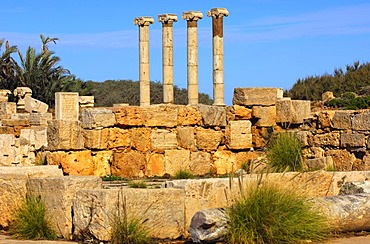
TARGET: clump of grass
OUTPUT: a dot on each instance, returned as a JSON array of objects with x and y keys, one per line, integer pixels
[
  {"x": 269, "y": 214},
  {"x": 137, "y": 184},
  {"x": 284, "y": 153},
  {"x": 112, "y": 178},
  {"x": 30, "y": 221},
  {"x": 183, "y": 174},
  {"x": 127, "y": 229}
]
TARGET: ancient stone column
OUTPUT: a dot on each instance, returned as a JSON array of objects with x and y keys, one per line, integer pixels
[
  {"x": 144, "y": 77},
  {"x": 217, "y": 15},
  {"x": 167, "y": 55},
  {"x": 192, "y": 18}
]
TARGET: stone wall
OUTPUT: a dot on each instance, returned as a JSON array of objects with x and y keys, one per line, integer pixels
[{"x": 133, "y": 141}]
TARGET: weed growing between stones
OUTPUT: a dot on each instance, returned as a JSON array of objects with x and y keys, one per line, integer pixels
[
  {"x": 112, "y": 178},
  {"x": 284, "y": 153},
  {"x": 31, "y": 222},
  {"x": 183, "y": 174},
  {"x": 128, "y": 229},
  {"x": 268, "y": 213},
  {"x": 137, "y": 184}
]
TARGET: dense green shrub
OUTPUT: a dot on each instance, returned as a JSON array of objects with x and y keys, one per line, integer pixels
[
  {"x": 271, "y": 214},
  {"x": 183, "y": 174},
  {"x": 137, "y": 184},
  {"x": 112, "y": 178},
  {"x": 284, "y": 152},
  {"x": 31, "y": 222}
]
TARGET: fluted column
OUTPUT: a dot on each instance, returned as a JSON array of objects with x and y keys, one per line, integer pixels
[
  {"x": 167, "y": 55},
  {"x": 144, "y": 69},
  {"x": 192, "y": 18},
  {"x": 217, "y": 15}
]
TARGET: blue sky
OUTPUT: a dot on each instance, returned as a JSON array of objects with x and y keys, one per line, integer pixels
[{"x": 268, "y": 43}]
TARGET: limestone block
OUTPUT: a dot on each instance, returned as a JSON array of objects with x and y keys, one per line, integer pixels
[
  {"x": 160, "y": 115},
  {"x": 73, "y": 162},
  {"x": 239, "y": 134},
  {"x": 161, "y": 140},
  {"x": 303, "y": 136},
  {"x": 189, "y": 115},
  {"x": 4, "y": 94},
  {"x": 352, "y": 140},
  {"x": 200, "y": 163},
  {"x": 319, "y": 163},
  {"x": 241, "y": 112},
  {"x": 97, "y": 118},
  {"x": 58, "y": 194},
  {"x": 163, "y": 210},
  {"x": 208, "y": 139},
  {"x": 325, "y": 119},
  {"x": 119, "y": 138},
  {"x": 66, "y": 106},
  {"x": 96, "y": 139},
  {"x": 326, "y": 96},
  {"x": 13, "y": 122},
  {"x": 155, "y": 165},
  {"x": 64, "y": 135},
  {"x": 361, "y": 121},
  {"x": 140, "y": 139},
  {"x": 355, "y": 187},
  {"x": 224, "y": 162},
  {"x": 35, "y": 137},
  {"x": 101, "y": 162},
  {"x": 7, "y": 108},
  {"x": 213, "y": 115},
  {"x": 13, "y": 182},
  {"x": 342, "y": 120},
  {"x": 7, "y": 149},
  {"x": 86, "y": 101},
  {"x": 35, "y": 106},
  {"x": 176, "y": 160},
  {"x": 128, "y": 164},
  {"x": 186, "y": 137},
  {"x": 343, "y": 160},
  {"x": 40, "y": 119},
  {"x": 261, "y": 136},
  {"x": 128, "y": 115},
  {"x": 245, "y": 157},
  {"x": 257, "y": 96},
  {"x": 266, "y": 115},
  {"x": 292, "y": 111},
  {"x": 327, "y": 139}
]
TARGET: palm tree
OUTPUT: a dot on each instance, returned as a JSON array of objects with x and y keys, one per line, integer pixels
[{"x": 8, "y": 79}]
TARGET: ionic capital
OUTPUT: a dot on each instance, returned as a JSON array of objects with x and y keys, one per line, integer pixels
[
  {"x": 192, "y": 15},
  {"x": 167, "y": 18},
  {"x": 218, "y": 13},
  {"x": 143, "y": 21}
]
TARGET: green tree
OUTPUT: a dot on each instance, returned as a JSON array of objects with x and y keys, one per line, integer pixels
[{"x": 8, "y": 78}]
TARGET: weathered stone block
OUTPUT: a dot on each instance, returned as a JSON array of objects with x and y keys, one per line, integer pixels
[
  {"x": 176, "y": 160},
  {"x": 361, "y": 121},
  {"x": 155, "y": 165},
  {"x": 128, "y": 164},
  {"x": 319, "y": 163},
  {"x": 119, "y": 138},
  {"x": 40, "y": 119},
  {"x": 239, "y": 134},
  {"x": 128, "y": 115},
  {"x": 33, "y": 105},
  {"x": 101, "y": 161},
  {"x": 266, "y": 115},
  {"x": 186, "y": 137},
  {"x": 161, "y": 140},
  {"x": 200, "y": 163},
  {"x": 213, "y": 115},
  {"x": 224, "y": 162},
  {"x": 343, "y": 160},
  {"x": 4, "y": 94},
  {"x": 96, "y": 139},
  {"x": 342, "y": 120},
  {"x": 208, "y": 139},
  {"x": 13, "y": 122},
  {"x": 7, "y": 149},
  {"x": 86, "y": 101},
  {"x": 97, "y": 118},
  {"x": 7, "y": 108},
  {"x": 140, "y": 139},
  {"x": 64, "y": 135},
  {"x": 352, "y": 140},
  {"x": 72, "y": 163},
  {"x": 257, "y": 96},
  {"x": 58, "y": 194},
  {"x": 160, "y": 115},
  {"x": 66, "y": 106},
  {"x": 328, "y": 139},
  {"x": 35, "y": 137},
  {"x": 292, "y": 111},
  {"x": 325, "y": 118},
  {"x": 237, "y": 112},
  {"x": 189, "y": 115},
  {"x": 163, "y": 210}
]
